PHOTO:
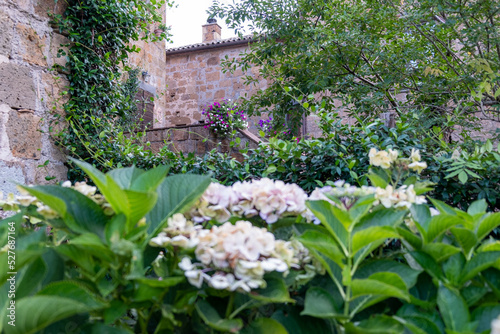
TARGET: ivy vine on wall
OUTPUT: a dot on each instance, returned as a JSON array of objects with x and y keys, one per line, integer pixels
[{"x": 101, "y": 101}]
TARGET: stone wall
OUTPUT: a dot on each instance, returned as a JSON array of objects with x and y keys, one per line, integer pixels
[
  {"x": 29, "y": 93},
  {"x": 196, "y": 139},
  {"x": 195, "y": 79},
  {"x": 151, "y": 59}
]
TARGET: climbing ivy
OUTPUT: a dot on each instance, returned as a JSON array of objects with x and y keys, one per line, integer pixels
[{"x": 101, "y": 101}]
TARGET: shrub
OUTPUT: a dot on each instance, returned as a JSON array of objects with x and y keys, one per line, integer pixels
[{"x": 223, "y": 118}]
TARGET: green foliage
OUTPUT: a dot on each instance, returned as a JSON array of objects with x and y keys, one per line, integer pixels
[
  {"x": 101, "y": 35},
  {"x": 87, "y": 261},
  {"x": 443, "y": 56}
]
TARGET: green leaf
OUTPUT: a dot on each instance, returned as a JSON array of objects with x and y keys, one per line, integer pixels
[
  {"x": 294, "y": 323},
  {"x": 477, "y": 207},
  {"x": 79, "y": 213},
  {"x": 133, "y": 204},
  {"x": 320, "y": 304},
  {"x": 428, "y": 263},
  {"x": 327, "y": 214},
  {"x": 487, "y": 225},
  {"x": 324, "y": 244},
  {"x": 163, "y": 283},
  {"x": 465, "y": 238},
  {"x": 408, "y": 274},
  {"x": 421, "y": 214},
  {"x": 372, "y": 234},
  {"x": 74, "y": 290},
  {"x": 484, "y": 315},
  {"x": 275, "y": 291},
  {"x": 453, "y": 267},
  {"x": 150, "y": 180},
  {"x": 440, "y": 251},
  {"x": 380, "y": 217},
  {"x": 439, "y": 224},
  {"x": 37, "y": 312},
  {"x": 442, "y": 207},
  {"x": 383, "y": 284},
  {"x": 453, "y": 309},
  {"x": 125, "y": 177},
  {"x": 479, "y": 263},
  {"x": 378, "y": 324},
  {"x": 264, "y": 326},
  {"x": 462, "y": 177},
  {"x": 31, "y": 279},
  {"x": 175, "y": 194},
  {"x": 210, "y": 316},
  {"x": 377, "y": 180}
]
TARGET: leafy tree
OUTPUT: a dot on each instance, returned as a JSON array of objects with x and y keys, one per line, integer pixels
[{"x": 440, "y": 58}]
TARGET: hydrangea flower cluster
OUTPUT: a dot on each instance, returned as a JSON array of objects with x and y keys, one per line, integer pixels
[
  {"x": 222, "y": 118},
  {"x": 402, "y": 197},
  {"x": 385, "y": 159},
  {"x": 12, "y": 202},
  {"x": 232, "y": 257},
  {"x": 266, "y": 198}
]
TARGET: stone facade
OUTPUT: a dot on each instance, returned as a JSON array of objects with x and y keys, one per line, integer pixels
[
  {"x": 195, "y": 79},
  {"x": 29, "y": 93},
  {"x": 32, "y": 86},
  {"x": 198, "y": 140}
]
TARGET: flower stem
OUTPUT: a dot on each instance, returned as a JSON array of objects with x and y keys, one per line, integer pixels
[{"x": 230, "y": 304}]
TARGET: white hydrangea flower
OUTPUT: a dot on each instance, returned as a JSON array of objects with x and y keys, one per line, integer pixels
[
  {"x": 381, "y": 158},
  {"x": 417, "y": 166},
  {"x": 415, "y": 155},
  {"x": 85, "y": 189}
]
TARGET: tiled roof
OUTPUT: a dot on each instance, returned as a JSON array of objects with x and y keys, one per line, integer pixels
[{"x": 221, "y": 43}]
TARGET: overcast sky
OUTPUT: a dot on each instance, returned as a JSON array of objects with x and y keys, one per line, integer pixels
[{"x": 186, "y": 21}]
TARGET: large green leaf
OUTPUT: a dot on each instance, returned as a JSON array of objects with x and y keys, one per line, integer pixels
[
  {"x": 125, "y": 177},
  {"x": 484, "y": 315},
  {"x": 210, "y": 316},
  {"x": 372, "y": 234},
  {"x": 133, "y": 204},
  {"x": 408, "y": 274},
  {"x": 383, "y": 284},
  {"x": 75, "y": 291},
  {"x": 465, "y": 238},
  {"x": 428, "y": 263},
  {"x": 439, "y": 224},
  {"x": 324, "y": 244},
  {"x": 264, "y": 326},
  {"x": 453, "y": 309},
  {"x": 478, "y": 263},
  {"x": 487, "y": 225},
  {"x": 443, "y": 207},
  {"x": 91, "y": 244},
  {"x": 176, "y": 193},
  {"x": 381, "y": 217},
  {"x": 477, "y": 207},
  {"x": 440, "y": 251},
  {"x": 79, "y": 213},
  {"x": 421, "y": 214},
  {"x": 295, "y": 323},
  {"x": 275, "y": 292},
  {"x": 453, "y": 267},
  {"x": 31, "y": 278},
  {"x": 327, "y": 214},
  {"x": 379, "y": 324},
  {"x": 320, "y": 304},
  {"x": 37, "y": 312},
  {"x": 150, "y": 180}
]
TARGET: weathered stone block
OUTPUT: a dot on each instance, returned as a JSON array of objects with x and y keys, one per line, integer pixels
[
  {"x": 33, "y": 45},
  {"x": 53, "y": 169},
  {"x": 44, "y": 7},
  {"x": 200, "y": 132},
  {"x": 5, "y": 34},
  {"x": 220, "y": 95},
  {"x": 154, "y": 136},
  {"x": 25, "y": 138},
  {"x": 10, "y": 174},
  {"x": 213, "y": 76},
  {"x": 212, "y": 61},
  {"x": 55, "y": 45},
  {"x": 179, "y": 134},
  {"x": 16, "y": 86}
]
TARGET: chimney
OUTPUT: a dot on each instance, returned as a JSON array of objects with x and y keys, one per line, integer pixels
[{"x": 211, "y": 31}]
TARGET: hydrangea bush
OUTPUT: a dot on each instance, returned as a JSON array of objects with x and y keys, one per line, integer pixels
[
  {"x": 223, "y": 118},
  {"x": 144, "y": 253}
]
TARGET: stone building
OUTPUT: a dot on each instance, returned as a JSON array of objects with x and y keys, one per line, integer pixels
[{"x": 31, "y": 87}]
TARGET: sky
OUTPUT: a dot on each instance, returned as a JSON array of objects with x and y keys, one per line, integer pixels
[{"x": 186, "y": 21}]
